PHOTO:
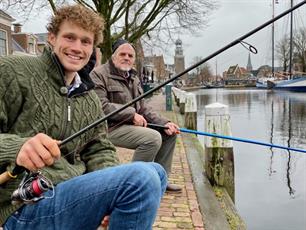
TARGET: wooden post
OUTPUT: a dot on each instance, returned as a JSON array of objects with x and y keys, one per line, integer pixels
[
  {"x": 175, "y": 93},
  {"x": 219, "y": 158},
  {"x": 182, "y": 102},
  {"x": 178, "y": 93},
  {"x": 191, "y": 111}
]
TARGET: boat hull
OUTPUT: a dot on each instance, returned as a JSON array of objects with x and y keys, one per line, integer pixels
[
  {"x": 261, "y": 85},
  {"x": 296, "y": 85},
  {"x": 265, "y": 83}
]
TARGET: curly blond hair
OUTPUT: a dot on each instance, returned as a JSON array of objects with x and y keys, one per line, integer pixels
[{"x": 78, "y": 15}]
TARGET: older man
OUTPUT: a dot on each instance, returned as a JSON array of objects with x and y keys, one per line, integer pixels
[{"x": 117, "y": 84}]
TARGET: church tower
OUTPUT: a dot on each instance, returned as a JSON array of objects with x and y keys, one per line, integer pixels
[
  {"x": 179, "y": 59},
  {"x": 249, "y": 66}
]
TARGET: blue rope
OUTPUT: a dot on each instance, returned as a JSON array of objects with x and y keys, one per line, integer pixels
[{"x": 240, "y": 139}]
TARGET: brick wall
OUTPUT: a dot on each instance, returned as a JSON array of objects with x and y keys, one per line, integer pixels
[{"x": 21, "y": 39}]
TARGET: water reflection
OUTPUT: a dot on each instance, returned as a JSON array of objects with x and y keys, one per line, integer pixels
[
  {"x": 291, "y": 191},
  {"x": 271, "y": 170},
  {"x": 287, "y": 113},
  {"x": 270, "y": 182}
]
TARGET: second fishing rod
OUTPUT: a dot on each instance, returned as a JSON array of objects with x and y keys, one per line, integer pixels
[
  {"x": 239, "y": 139},
  {"x": 18, "y": 169}
]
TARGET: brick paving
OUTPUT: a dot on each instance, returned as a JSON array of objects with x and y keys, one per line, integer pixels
[{"x": 177, "y": 210}]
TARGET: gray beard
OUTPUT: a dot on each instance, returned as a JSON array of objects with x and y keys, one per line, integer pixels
[{"x": 127, "y": 69}]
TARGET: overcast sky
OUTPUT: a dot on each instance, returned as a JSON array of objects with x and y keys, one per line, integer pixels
[
  {"x": 233, "y": 19},
  {"x": 230, "y": 21}
]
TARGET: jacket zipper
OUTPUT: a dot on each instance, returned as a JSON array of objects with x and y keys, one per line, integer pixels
[
  {"x": 69, "y": 111},
  {"x": 68, "y": 115}
]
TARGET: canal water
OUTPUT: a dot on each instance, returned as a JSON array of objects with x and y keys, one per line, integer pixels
[{"x": 270, "y": 183}]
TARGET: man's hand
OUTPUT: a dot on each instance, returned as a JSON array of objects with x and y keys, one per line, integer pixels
[
  {"x": 105, "y": 222},
  {"x": 37, "y": 152},
  {"x": 139, "y": 120},
  {"x": 172, "y": 129}
]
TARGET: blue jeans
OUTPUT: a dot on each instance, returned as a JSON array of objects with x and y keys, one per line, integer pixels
[{"x": 130, "y": 194}]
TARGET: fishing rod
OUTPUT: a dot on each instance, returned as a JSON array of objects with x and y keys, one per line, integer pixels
[
  {"x": 184, "y": 130},
  {"x": 19, "y": 169},
  {"x": 239, "y": 40}
]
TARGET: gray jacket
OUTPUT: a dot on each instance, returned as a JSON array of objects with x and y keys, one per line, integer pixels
[{"x": 114, "y": 90}]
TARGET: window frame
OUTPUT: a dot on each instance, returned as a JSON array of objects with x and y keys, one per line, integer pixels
[{"x": 5, "y": 43}]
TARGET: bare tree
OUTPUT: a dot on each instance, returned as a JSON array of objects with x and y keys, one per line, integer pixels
[
  {"x": 283, "y": 52},
  {"x": 26, "y": 8},
  {"x": 134, "y": 19},
  {"x": 203, "y": 72},
  {"x": 195, "y": 60},
  {"x": 206, "y": 73},
  {"x": 299, "y": 42}
]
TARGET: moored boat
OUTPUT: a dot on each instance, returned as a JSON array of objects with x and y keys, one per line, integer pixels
[
  {"x": 262, "y": 83},
  {"x": 297, "y": 84}
]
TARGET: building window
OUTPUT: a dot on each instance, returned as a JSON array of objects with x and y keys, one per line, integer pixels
[{"x": 3, "y": 41}]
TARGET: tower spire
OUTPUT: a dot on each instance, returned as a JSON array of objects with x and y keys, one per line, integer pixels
[
  {"x": 249, "y": 66},
  {"x": 179, "y": 59}
]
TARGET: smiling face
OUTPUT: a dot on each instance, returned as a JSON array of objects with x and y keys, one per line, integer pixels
[
  {"x": 73, "y": 46},
  {"x": 124, "y": 57}
]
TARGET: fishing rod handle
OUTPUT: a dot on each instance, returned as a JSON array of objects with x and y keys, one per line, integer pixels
[
  {"x": 7, "y": 175},
  {"x": 151, "y": 125}
]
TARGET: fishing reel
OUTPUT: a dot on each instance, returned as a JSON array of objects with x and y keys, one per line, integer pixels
[{"x": 31, "y": 189}]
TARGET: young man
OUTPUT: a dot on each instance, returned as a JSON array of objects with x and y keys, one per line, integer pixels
[
  {"x": 117, "y": 84},
  {"x": 46, "y": 99}
]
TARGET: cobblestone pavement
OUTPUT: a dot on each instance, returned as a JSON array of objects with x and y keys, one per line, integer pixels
[{"x": 177, "y": 211}]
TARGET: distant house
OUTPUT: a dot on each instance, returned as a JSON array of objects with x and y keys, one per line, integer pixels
[
  {"x": 41, "y": 41},
  {"x": 235, "y": 72},
  {"x": 158, "y": 64},
  {"x": 238, "y": 76},
  {"x": 27, "y": 41},
  {"x": 5, "y": 33},
  {"x": 170, "y": 71},
  {"x": 265, "y": 71},
  {"x": 17, "y": 49}
]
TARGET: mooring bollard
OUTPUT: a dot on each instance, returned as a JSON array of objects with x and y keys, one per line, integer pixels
[
  {"x": 191, "y": 111},
  {"x": 219, "y": 157}
]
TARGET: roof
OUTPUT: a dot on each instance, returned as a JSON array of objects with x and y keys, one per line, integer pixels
[
  {"x": 17, "y": 47},
  {"x": 156, "y": 60},
  {"x": 42, "y": 38},
  {"x": 231, "y": 69},
  {"x": 243, "y": 70},
  {"x": 6, "y": 16}
]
